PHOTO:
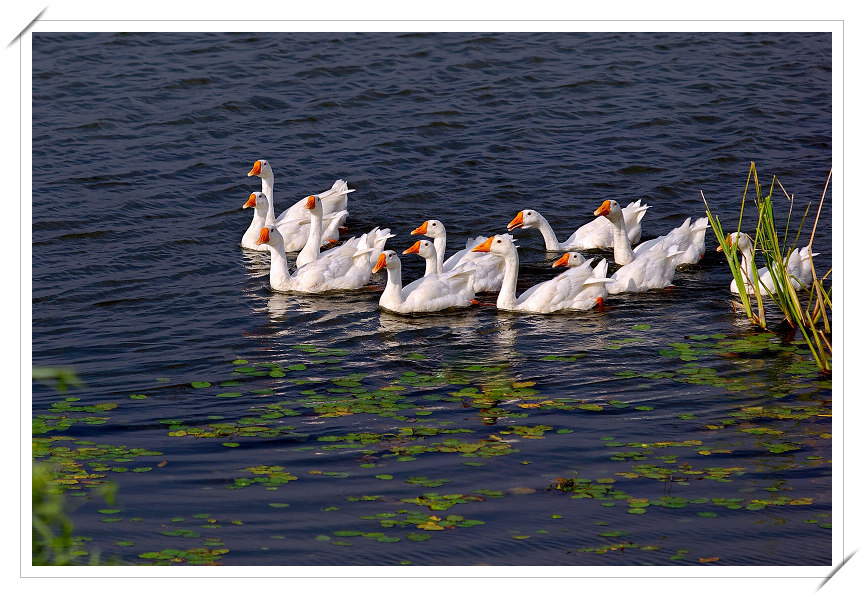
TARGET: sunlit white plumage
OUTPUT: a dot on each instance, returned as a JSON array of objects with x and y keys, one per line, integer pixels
[
  {"x": 652, "y": 268},
  {"x": 594, "y": 292},
  {"x": 596, "y": 234},
  {"x": 433, "y": 292},
  {"x": 348, "y": 266},
  {"x": 549, "y": 296},
  {"x": 688, "y": 239},
  {"x": 797, "y": 265},
  {"x": 294, "y": 232},
  {"x": 312, "y": 249},
  {"x": 488, "y": 268},
  {"x": 334, "y": 200}
]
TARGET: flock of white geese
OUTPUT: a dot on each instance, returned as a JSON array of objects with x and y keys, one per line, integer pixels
[{"x": 484, "y": 265}]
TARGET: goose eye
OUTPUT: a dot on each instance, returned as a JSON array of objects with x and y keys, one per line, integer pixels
[{"x": 498, "y": 241}]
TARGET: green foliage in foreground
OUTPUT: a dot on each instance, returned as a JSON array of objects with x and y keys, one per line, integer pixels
[{"x": 52, "y": 540}]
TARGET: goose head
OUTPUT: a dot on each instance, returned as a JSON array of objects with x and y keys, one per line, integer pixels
[
  {"x": 257, "y": 200},
  {"x": 430, "y": 228},
  {"x": 313, "y": 204},
  {"x": 261, "y": 168},
  {"x": 500, "y": 244},
  {"x": 423, "y": 248},
  {"x": 611, "y": 209},
  {"x": 741, "y": 241},
  {"x": 525, "y": 219},
  {"x": 269, "y": 236},
  {"x": 388, "y": 259},
  {"x": 571, "y": 259}
]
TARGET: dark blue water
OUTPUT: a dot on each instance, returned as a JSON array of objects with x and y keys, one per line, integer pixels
[{"x": 141, "y": 144}]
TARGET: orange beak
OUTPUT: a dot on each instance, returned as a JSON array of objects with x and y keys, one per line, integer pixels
[
  {"x": 256, "y": 168},
  {"x": 415, "y": 248},
  {"x": 728, "y": 242},
  {"x": 604, "y": 209},
  {"x": 421, "y": 230},
  {"x": 250, "y": 203},
  {"x": 310, "y": 202},
  {"x": 381, "y": 263},
  {"x": 485, "y": 246},
  {"x": 515, "y": 223},
  {"x": 264, "y": 237},
  {"x": 562, "y": 261}
]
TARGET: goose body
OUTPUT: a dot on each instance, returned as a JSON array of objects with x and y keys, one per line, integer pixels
[
  {"x": 597, "y": 234},
  {"x": 295, "y": 233},
  {"x": 549, "y": 296},
  {"x": 488, "y": 268},
  {"x": 797, "y": 266},
  {"x": 311, "y": 251},
  {"x": 652, "y": 268},
  {"x": 292, "y": 221},
  {"x": 433, "y": 292},
  {"x": 592, "y": 293},
  {"x": 687, "y": 239},
  {"x": 348, "y": 266}
]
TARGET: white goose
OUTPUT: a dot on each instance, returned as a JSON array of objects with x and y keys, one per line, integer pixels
[
  {"x": 591, "y": 293},
  {"x": 426, "y": 250},
  {"x": 545, "y": 297},
  {"x": 597, "y": 234},
  {"x": 488, "y": 268},
  {"x": 689, "y": 239},
  {"x": 335, "y": 199},
  {"x": 294, "y": 232},
  {"x": 652, "y": 268},
  {"x": 311, "y": 252},
  {"x": 346, "y": 267},
  {"x": 797, "y": 266},
  {"x": 435, "y": 292}
]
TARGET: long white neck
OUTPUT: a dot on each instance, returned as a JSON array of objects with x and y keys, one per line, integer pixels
[
  {"x": 312, "y": 249},
  {"x": 507, "y": 294},
  {"x": 746, "y": 263},
  {"x": 440, "y": 244},
  {"x": 549, "y": 237},
  {"x": 278, "y": 264},
  {"x": 623, "y": 252},
  {"x": 267, "y": 189},
  {"x": 251, "y": 234},
  {"x": 393, "y": 291},
  {"x": 432, "y": 265}
]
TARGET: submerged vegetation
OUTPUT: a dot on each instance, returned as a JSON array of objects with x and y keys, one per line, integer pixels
[{"x": 812, "y": 319}]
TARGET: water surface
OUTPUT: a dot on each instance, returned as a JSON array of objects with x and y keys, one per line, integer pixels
[{"x": 663, "y": 430}]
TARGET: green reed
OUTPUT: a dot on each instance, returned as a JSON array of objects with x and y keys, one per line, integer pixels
[{"x": 773, "y": 249}]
